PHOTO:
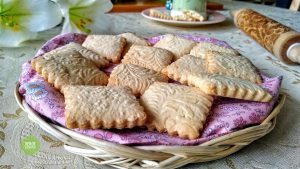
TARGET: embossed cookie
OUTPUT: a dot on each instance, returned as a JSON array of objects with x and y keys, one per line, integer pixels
[
  {"x": 177, "y": 109},
  {"x": 177, "y": 45},
  {"x": 132, "y": 39},
  {"x": 194, "y": 71},
  {"x": 135, "y": 77},
  {"x": 232, "y": 87},
  {"x": 148, "y": 57},
  {"x": 202, "y": 47},
  {"x": 108, "y": 46},
  {"x": 231, "y": 65},
  {"x": 68, "y": 68},
  {"x": 99, "y": 61},
  {"x": 93, "y": 107}
]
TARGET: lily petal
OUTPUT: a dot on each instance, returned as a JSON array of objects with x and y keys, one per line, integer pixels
[
  {"x": 85, "y": 15},
  {"x": 9, "y": 38}
]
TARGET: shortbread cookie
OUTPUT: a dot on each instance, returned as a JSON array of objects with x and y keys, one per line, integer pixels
[
  {"x": 159, "y": 14},
  {"x": 93, "y": 107},
  {"x": 213, "y": 63},
  {"x": 148, "y": 57},
  {"x": 132, "y": 39},
  {"x": 202, "y": 47},
  {"x": 183, "y": 67},
  {"x": 99, "y": 61},
  {"x": 232, "y": 87},
  {"x": 177, "y": 109},
  {"x": 68, "y": 68},
  {"x": 135, "y": 77},
  {"x": 177, "y": 45},
  {"x": 108, "y": 46},
  {"x": 234, "y": 66},
  {"x": 194, "y": 71}
]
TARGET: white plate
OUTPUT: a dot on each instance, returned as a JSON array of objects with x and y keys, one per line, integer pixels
[{"x": 213, "y": 18}]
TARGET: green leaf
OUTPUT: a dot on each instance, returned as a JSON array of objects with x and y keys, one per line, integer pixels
[
  {"x": 2, "y": 150},
  {"x": 57, "y": 144},
  {"x": 19, "y": 111},
  {"x": 2, "y": 135},
  {"x": 47, "y": 138},
  {"x": 3, "y": 124},
  {"x": 10, "y": 116},
  {"x": 6, "y": 166}
]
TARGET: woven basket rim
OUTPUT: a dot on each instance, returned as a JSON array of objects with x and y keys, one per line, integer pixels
[{"x": 170, "y": 156}]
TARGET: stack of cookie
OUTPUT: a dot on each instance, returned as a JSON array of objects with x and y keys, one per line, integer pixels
[{"x": 141, "y": 90}]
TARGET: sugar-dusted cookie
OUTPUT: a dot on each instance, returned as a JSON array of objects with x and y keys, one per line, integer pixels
[
  {"x": 177, "y": 45},
  {"x": 177, "y": 109},
  {"x": 108, "y": 46},
  {"x": 136, "y": 77},
  {"x": 231, "y": 65},
  {"x": 68, "y": 68},
  {"x": 132, "y": 39},
  {"x": 232, "y": 87},
  {"x": 202, "y": 47},
  {"x": 93, "y": 107},
  {"x": 99, "y": 61},
  {"x": 148, "y": 57}
]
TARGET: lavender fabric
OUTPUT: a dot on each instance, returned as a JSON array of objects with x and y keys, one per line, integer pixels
[{"x": 227, "y": 115}]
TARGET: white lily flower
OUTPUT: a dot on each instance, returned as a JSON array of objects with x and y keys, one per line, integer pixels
[
  {"x": 85, "y": 16},
  {"x": 20, "y": 20}
]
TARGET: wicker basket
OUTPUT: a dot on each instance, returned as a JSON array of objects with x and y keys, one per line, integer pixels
[{"x": 122, "y": 156}]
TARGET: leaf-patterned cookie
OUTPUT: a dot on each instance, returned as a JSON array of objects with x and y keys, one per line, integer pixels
[
  {"x": 136, "y": 77},
  {"x": 68, "y": 68},
  {"x": 202, "y": 47},
  {"x": 177, "y": 45},
  {"x": 177, "y": 109},
  {"x": 231, "y": 65},
  {"x": 108, "y": 46},
  {"x": 99, "y": 61},
  {"x": 148, "y": 57},
  {"x": 132, "y": 39},
  {"x": 195, "y": 71},
  {"x": 93, "y": 107}
]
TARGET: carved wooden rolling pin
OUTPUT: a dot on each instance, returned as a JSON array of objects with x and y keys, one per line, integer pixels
[{"x": 279, "y": 39}]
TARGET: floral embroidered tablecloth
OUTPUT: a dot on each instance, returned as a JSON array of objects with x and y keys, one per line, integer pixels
[{"x": 279, "y": 149}]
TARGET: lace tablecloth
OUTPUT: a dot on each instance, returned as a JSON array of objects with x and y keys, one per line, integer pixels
[{"x": 279, "y": 149}]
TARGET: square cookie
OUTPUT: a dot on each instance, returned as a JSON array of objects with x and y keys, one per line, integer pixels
[
  {"x": 148, "y": 57},
  {"x": 132, "y": 39},
  {"x": 99, "y": 61},
  {"x": 177, "y": 45},
  {"x": 202, "y": 47},
  {"x": 108, "y": 46},
  {"x": 94, "y": 107},
  {"x": 176, "y": 109},
  {"x": 68, "y": 68},
  {"x": 135, "y": 77}
]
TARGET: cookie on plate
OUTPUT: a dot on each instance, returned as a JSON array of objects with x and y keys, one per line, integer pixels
[
  {"x": 93, "y": 107},
  {"x": 135, "y": 77},
  {"x": 177, "y": 109},
  {"x": 179, "y": 46},
  {"x": 202, "y": 47},
  {"x": 108, "y": 46},
  {"x": 68, "y": 68},
  {"x": 132, "y": 39},
  {"x": 99, "y": 61},
  {"x": 148, "y": 57}
]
